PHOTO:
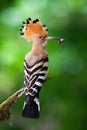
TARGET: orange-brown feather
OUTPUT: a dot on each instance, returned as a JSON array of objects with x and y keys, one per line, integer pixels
[{"x": 33, "y": 27}]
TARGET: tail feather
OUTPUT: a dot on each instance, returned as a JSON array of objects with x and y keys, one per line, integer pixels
[{"x": 32, "y": 109}]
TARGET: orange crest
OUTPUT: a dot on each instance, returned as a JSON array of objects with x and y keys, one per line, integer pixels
[{"x": 33, "y": 27}]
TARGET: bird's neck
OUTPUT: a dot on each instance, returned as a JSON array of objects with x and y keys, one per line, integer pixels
[{"x": 38, "y": 48}]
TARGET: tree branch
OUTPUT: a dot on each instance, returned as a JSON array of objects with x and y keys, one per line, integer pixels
[{"x": 5, "y": 106}]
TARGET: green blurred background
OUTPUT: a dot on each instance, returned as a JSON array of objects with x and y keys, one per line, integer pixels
[{"x": 64, "y": 97}]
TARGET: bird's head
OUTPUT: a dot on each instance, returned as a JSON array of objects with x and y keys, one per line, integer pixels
[{"x": 33, "y": 30}]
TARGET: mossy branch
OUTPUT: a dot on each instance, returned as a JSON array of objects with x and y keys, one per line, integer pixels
[{"x": 6, "y": 105}]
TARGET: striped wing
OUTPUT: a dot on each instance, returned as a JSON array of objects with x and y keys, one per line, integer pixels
[{"x": 35, "y": 76}]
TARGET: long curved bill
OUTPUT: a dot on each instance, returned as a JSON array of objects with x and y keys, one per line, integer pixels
[{"x": 60, "y": 40}]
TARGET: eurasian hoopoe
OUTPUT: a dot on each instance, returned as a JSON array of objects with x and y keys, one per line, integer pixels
[{"x": 35, "y": 65}]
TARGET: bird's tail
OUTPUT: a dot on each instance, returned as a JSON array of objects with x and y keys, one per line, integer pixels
[{"x": 31, "y": 107}]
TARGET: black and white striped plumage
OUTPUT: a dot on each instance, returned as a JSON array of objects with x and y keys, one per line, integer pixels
[
  {"x": 35, "y": 75},
  {"x": 35, "y": 64}
]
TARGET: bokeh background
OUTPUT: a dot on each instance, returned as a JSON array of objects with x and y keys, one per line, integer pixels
[{"x": 64, "y": 97}]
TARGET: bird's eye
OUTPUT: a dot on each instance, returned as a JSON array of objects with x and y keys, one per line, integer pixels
[{"x": 40, "y": 37}]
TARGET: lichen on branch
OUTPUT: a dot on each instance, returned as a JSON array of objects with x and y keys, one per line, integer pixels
[{"x": 5, "y": 106}]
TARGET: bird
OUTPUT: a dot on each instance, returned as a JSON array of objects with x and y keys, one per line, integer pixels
[{"x": 36, "y": 64}]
